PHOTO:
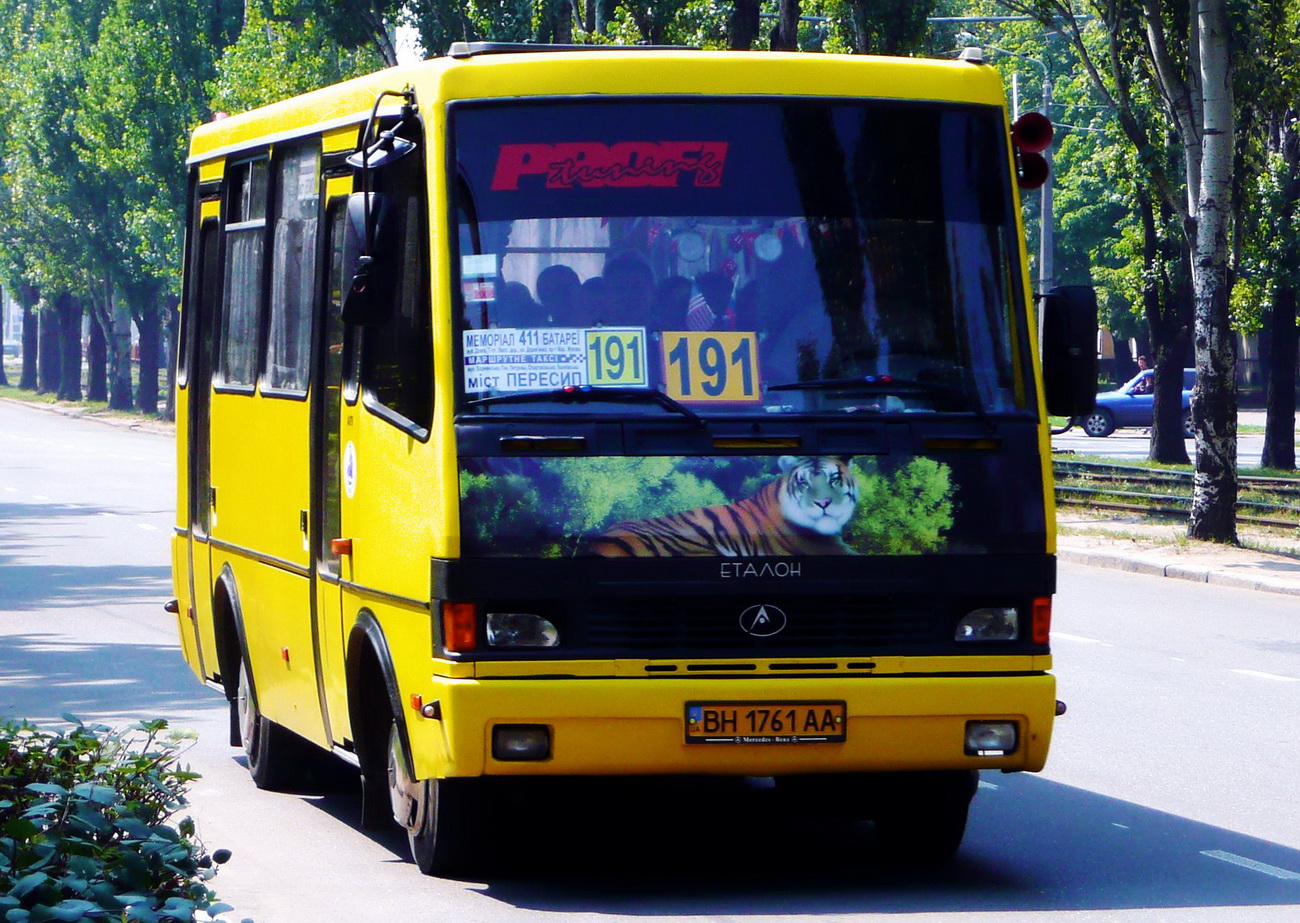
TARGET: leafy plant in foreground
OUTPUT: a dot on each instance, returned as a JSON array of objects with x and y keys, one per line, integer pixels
[{"x": 87, "y": 831}]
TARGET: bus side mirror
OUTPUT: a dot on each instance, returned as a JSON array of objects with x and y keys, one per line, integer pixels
[
  {"x": 368, "y": 297},
  {"x": 1069, "y": 349}
]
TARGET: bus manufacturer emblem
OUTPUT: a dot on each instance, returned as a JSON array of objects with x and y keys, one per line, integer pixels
[{"x": 762, "y": 621}]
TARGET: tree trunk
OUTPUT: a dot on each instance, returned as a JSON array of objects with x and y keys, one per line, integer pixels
[
  {"x": 119, "y": 361},
  {"x": 785, "y": 37},
  {"x": 150, "y": 327},
  {"x": 605, "y": 10},
  {"x": 173, "y": 345},
  {"x": 69, "y": 313},
  {"x": 4, "y": 379},
  {"x": 31, "y": 341},
  {"x": 96, "y": 363},
  {"x": 1214, "y": 401},
  {"x": 109, "y": 311},
  {"x": 380, "y": 36},
  {"x": 48, "y": 365},
  {"x": 1168, "y": 313},
  {"x": 1279, "y": 400},
  {"x": 742, "y": 25},
  {"x": 564, "y": 24}
]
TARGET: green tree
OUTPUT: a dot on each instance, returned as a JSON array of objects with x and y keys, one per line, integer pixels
[
  {"x": 907, "y": 512},
  {"x": 276, "y": 58},
  {"x": 61, "y": 216},
  {"x": 143, "y": 92},
  {"x": 1183, "y": 57},
  {"x": 1268, "y": 241}
]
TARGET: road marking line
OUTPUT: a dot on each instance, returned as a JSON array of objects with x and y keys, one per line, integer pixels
[
  {"x": 984, "y": 784},
  {"x": 1252, "y": 864},
  {"x": 1273, "y": 676},
  {"x": 1080, "y": 638},
  {"x": 146, "y": 526},
  {"x": 1121, "y": 826}
]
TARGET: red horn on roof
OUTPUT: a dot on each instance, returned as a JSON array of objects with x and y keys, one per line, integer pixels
[{"x": 1032, "y": 132}]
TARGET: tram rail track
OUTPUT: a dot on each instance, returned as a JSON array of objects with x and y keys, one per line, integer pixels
[{"x": 1262, "y": 501}]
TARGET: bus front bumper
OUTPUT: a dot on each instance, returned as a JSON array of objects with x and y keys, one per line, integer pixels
[{"x": 638, "y": 726}]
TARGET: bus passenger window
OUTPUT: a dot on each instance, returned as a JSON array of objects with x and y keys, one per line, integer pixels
[
  {"x": 245, "y": 240},
  {"x": 293, "y": 269}
]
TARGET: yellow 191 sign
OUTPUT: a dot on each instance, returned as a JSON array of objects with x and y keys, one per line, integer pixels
[
  {"x": 711, "y": 366},
  {"x": 616, "y": 357}
]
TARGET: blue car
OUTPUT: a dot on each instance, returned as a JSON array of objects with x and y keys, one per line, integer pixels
[{"x": 1133, "y": 404}]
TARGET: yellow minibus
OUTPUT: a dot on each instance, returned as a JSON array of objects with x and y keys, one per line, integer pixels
[{"x": 554, "y": 412}]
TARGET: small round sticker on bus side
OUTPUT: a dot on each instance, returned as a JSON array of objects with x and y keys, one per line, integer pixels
[{"x": 350, "y": 470}]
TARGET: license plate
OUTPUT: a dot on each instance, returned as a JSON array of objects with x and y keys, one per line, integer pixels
[{"x": 765, "y": 722}]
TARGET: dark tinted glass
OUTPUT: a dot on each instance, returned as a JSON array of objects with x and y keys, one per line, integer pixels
[
  {"x": 397, "y": 356},
  {"x": 740, "y": 256}
]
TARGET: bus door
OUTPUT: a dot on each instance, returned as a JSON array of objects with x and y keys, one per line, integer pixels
[
  {"x": 327, "y": 479},
  {"x": 202, "y": 304}
]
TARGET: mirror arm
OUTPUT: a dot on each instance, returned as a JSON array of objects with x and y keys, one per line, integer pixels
[{"x": 407, "y": 94}]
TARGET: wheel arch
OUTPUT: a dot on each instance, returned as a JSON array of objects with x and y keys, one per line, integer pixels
[
  {"x": 371, "y": 686},
  {"x": 231, "y": 640}
]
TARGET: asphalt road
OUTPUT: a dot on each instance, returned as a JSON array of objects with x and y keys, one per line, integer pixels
[
  {"x": 1131, "y": 444},
  {"x": 1170, "y": 794}
]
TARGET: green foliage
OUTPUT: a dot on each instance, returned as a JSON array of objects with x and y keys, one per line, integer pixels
[
  {"x": 549, "y": 510},
  {"x": 275, "y": 59},
  {"x": 908, "y": 512},
  {"x": 87, "y": 830},
  {"x": 599, "y": 492}
]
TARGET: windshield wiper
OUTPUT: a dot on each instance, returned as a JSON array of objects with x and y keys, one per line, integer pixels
[{"x": 582, "y": 394}]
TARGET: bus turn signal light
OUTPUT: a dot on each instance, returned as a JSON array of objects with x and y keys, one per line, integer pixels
[
  {"x": 341, "y": 546},
  {"x": 1043, "y": 620},
  {"x": 459, "y": 627}
]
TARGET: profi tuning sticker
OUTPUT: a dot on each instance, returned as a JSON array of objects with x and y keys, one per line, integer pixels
[
  {"x": 350, "y": 470},
  {"x": 627, "y": 164}
]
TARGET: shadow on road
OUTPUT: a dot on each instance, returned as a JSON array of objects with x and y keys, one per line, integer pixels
[
  {"x": 44, "y": 676},
  {"x": 42, "y": 586},
  {"x": 719, "y": 848}
]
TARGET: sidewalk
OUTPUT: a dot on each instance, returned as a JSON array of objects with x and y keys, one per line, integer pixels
[
  {"x": 124, "y": 420},
  {"x": 1163, "y": 551}
]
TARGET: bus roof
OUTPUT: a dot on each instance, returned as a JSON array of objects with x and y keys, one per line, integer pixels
[{"x": 499, "y": 71}]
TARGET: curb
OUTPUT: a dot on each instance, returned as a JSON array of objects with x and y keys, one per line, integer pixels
[
  {"x": 153, "y": 427},
  {"x": 1193, "y": 572}
]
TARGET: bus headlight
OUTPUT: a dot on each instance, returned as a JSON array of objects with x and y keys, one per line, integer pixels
[
  {"x": 520, "y": 629},
  {"x": 994, "y": 623}
]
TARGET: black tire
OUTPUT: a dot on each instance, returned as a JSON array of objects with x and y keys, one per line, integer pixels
[
  {"x": 446, "y": 820},
  {"x": 1189, "y": 428},
  {"x": 278, "y": 759},
  {"x": 1098, "y": 422},
  {"x": 924, "y": 820}
]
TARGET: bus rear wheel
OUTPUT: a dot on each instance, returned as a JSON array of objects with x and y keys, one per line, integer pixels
[
  {"x": 277, "y": 758},
  {"x": 446, "y": 820}
]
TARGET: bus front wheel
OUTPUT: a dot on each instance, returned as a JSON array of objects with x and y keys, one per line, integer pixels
[
  {"x": 446, "y": 820},
  {"x": 924, "y": 818},
  {"x": 277, "y": 758}
]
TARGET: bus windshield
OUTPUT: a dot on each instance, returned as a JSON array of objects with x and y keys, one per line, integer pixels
[{"x": 738, "y": 257}]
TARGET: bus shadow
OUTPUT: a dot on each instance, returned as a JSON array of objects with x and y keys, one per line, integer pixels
[{"x": 1032, "y": 844}]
